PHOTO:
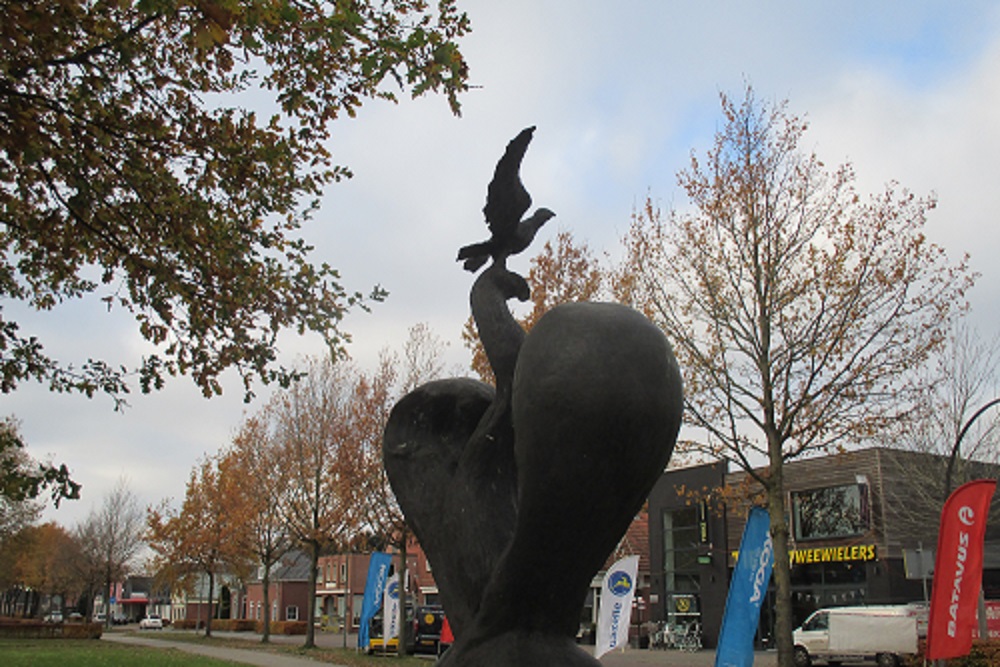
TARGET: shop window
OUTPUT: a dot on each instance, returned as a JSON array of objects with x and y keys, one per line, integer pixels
[
  {"x": 681, "y": 580},
  {"x": 835, "y": 511},
  {"x": 680, "y": 545}
]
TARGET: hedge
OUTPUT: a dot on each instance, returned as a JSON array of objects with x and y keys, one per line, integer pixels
[
  {"x": 34, "y": 629},
  {"x": 243, "y": 625},
  {"x": 234, "y": 625},
  {"x": 983, "y": 654},
  {"x": 283, "y": 627}
]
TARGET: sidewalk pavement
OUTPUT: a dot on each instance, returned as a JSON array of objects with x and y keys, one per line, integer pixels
[
  {"x": 246, "y": 656},
  {"x": 250, "y": 656}
]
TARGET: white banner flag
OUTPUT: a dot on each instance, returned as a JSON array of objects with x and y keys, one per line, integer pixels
[
  {"x": 390, "y": 610},
  {"x": 617, "y": 593}
]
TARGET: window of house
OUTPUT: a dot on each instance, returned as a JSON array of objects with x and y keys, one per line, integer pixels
[
  {"x": 358, "y": 603},
  {"x": 343, "y": 572},
  {"x": 834, "y": 511},
  {"x": 291, "y": 613}
]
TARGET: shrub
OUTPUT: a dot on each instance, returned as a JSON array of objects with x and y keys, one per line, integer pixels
[
  {"x": 234, "y": 624},
  {"x": 35, "y": 629},
  {"x": 983, "y": 654},
  {"x": 82, "y": 631},
  {"x": 283, "y": 627},
  {"x": 292, "y": 627}
]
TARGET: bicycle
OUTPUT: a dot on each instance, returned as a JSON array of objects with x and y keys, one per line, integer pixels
[
  {"x": 690, "y": 639},
  {"x": 661, "y": 638}
]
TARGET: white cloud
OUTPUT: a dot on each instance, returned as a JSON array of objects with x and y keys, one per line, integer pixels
[
  {"x": 620, "y": 94},
  {"x": 940, "y": 139}
]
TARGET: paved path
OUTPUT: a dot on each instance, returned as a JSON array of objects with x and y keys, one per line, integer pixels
[
  {"x": 674, "y": 658},
  {"x": 250, "y": 656},
  {"x": 239, "y": 655}
]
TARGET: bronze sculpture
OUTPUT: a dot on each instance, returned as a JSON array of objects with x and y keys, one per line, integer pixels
[{"x": 518, "y": 494}]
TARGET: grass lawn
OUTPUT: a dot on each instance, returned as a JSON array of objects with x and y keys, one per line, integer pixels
[
  {"x": 97, "y": 653},
  {"x": 94, "y": 653}
]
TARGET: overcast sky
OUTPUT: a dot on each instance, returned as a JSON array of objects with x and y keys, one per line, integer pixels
[{"x": 621, "y": 93}]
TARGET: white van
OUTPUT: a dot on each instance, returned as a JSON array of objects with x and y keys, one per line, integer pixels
[{"x": 853, "y": 634}]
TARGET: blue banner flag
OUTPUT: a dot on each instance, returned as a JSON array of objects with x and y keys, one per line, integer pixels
[
  {"x": 747, "y": 590},
  {"x": 378, "y": 574}
]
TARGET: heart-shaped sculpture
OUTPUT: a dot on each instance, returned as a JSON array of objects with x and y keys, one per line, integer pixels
[
  {"x": 516, "y": 534},
  {"x": 519, "y": 494}
]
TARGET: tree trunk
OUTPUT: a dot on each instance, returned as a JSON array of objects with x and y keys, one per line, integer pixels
[
  {"x": 211, "y": 593},
  {"x": 401, "y": 616},
  {"x": 782, "y": 569},
  {"x": 107, "y": 597},
  {"x": 311, "y": 610},
  {"x": 266, "y": 581}
]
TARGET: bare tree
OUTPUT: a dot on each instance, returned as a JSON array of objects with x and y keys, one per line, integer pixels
[
  {"x": 373, "y": 399},
  {"x": 964, "y": 379},
  {"x": 960, "y": 382},
  {"x": 311, "y": 425},
  {"x": 797, "y": 309},
  {"x": 111, "y": 537}
]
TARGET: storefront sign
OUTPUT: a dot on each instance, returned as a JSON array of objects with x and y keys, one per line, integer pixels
[
  {"x": 863, "y": 552},
  {"x": 855, "y": 552}
]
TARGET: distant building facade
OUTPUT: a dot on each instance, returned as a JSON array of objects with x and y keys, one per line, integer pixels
[
  {"x": 857, "y": 520},
  {"x": 340, "y": 587},
  {"x": 288, "y": 590}
]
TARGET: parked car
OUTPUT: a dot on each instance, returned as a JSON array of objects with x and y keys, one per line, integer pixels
[
  {"x": 75, "y": 617},
  {"x": 119, "y": 619},
  {"x": 100, "y": 617},
  {"x": 880, "y": 634},
  {"x": 425, "y": 630},
  {"x": 54, "y": 617},
  {"x": 151, "y": 622}
]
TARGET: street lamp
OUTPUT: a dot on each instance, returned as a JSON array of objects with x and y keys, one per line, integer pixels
[
  {"x": 983, "y": 630},
  {"x": 958, "y": 441}
]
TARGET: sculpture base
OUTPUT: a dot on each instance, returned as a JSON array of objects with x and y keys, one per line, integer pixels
[{"x": 519, "y": 648}]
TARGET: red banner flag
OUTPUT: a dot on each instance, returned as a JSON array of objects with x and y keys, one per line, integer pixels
[{"x": 958, "y": 570}]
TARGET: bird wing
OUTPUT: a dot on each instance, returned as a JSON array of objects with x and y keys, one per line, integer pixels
[{"x": 506, "y": 199}]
